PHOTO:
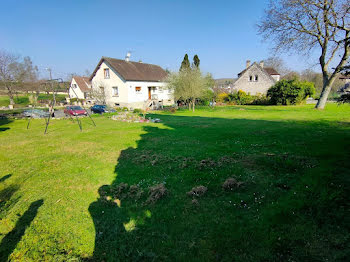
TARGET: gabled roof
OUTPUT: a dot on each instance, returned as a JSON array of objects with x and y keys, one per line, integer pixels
[
  {"x": 269, "y": 70},
  {"x": 83, "y": 83},
  {"x": 134, "y": 71}
]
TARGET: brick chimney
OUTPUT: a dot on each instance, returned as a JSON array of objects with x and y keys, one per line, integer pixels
[
  {"x": 247, "y": 64},
  {"x": 262, "y": 64}
]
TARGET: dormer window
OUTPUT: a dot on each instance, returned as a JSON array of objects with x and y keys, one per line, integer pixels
[
  {"x": 250, "y": 78},
  {"x": 106, "y": 73},
  {"x": 256, "y": 78}
]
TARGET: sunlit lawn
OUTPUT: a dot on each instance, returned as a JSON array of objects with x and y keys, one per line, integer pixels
[{"x": 292, "y": 206}]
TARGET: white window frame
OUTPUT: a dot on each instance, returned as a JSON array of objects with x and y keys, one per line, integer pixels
[
  {"x": 250, "y": 78},
  {"x": 114, "y": 88},
  {"x": 106, "y": 73}
]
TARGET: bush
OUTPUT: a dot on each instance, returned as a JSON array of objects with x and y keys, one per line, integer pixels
[
  {"x": 137, "y": 111},
  {"x": 222, "y": 97},
  {"x": 290, "y": 92},
  {"x": 344, "y": 98},
  {"x": 240, "y": 98}
]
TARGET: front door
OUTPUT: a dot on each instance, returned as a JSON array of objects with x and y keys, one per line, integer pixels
[{"x": 149, "y": 93}]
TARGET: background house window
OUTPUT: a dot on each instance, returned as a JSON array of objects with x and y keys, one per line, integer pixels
[
  {"x": 74, "y": 85},
  {"x": 160, "y": 89},
  {"x": 250, "y": 78},
  {"x": 256, "y": 77},
  {"x": 106, "y": 72},
  {"x": 115, "y": 91},
  {"x": 138, "y": 89}
]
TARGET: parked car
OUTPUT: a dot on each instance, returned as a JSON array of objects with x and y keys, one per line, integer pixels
[
  {"x": 75, "y": 111},
  {"x": 99, "y": 109},
  {"x": 35, "y": 113}
]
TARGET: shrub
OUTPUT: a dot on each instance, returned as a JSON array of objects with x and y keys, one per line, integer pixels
[
  {"x": 344, "y": 98},
  {"x": 137, "y": 111},
  {"x": 240, "y": 98},
  {"x": 222, "y": 97},
  {"x": 290, "y": 92}
]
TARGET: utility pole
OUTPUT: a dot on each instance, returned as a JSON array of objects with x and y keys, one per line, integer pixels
[{"x": 53, "y": 94}]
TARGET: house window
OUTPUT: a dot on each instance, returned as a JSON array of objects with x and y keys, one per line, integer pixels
[
  {"x": 74, "y": 85},
  {"x": 160, "y": 89},
  {"x": 115, "y": 91},
  {"x": 250, "y": 78},
  {"x": 106, "y": 73},
  {"x": 138, "y": 89},
  {"x": 256, "y": 77}
]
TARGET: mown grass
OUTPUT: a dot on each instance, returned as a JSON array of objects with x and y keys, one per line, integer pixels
[{"x": 56, "y": 200}]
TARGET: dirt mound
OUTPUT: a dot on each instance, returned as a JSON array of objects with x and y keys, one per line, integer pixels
[
  {"x": 197, "y": 191},
  {"x": 135, "y": 192},
  {"x": 231, "y": 184},
  {"x": 156, "y": 192}
]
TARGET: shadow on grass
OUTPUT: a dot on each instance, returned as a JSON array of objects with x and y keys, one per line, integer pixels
[
  {"x": 10, "y": 241},
  {"x": 4, "y": 121},
  {"x": 4, "y": 178},
  {"x": 291, "y": 206}
]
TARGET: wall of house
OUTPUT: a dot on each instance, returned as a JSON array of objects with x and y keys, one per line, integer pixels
[
  {"x": 128, "y": 97},
  {"x": 159, "y": 92},
  {"x": 79, "y": 94},
  {"x": 114, "y": 80},
  {"x": 254, "y": 87}
]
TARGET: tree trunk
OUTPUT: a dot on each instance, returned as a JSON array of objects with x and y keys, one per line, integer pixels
[
  {"x": 327, "y": 86},
  {"x": 10, "y": 94},
  {"x": 193, "y": 103}
]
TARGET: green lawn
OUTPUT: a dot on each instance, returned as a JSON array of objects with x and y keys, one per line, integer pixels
[{"x": 58, "y": 191}]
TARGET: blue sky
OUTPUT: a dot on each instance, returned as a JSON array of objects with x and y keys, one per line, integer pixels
[{"x": 71, "y": 36}]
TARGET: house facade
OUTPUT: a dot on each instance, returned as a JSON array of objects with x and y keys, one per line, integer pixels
[
  {"x": 80, "y": 87},
  {"x": 124, "y": 83},
  {"x": 256, "y": 79}
]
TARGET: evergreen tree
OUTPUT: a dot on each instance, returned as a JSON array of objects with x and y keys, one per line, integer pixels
[
  {"x": 185, "y": 63},
  {"x": 196, "y": 61}
]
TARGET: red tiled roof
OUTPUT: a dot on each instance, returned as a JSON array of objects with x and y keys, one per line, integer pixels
[
  {"x": 83, "y": 83},
  {"x": 134, "y": 71}
]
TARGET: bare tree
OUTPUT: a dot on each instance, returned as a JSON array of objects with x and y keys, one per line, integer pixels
[
  {"x": 7, "y": 62},
  {"x": 278, "y": 64},
  {"x": 305, "y": 25},
  {"x": 15, "y": 74},
  {"x": 98, "y": 93}
]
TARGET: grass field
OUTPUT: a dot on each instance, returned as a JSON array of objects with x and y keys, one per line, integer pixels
[{"x": 58, "y": 191}]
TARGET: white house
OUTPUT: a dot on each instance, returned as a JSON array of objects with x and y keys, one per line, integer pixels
[
  {"x": 80, "y": 87},
  {"x": 130, "y": 84},
  {"x": 256, "y": 79}
]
